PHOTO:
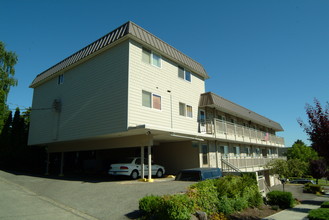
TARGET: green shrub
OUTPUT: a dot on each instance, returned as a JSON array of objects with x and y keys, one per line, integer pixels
[
  {"x": 151, "y": 205},
  {"x": 205, "y": 196},
  {"x": 177, "y": 207},
  {"x": 230, "y": 186},
  {"x": 282, "y": 199},
  {"x": 325, "y": 205},
  {"x": 313, "y": 188},
  {"x": 226, "y": 205},
  {"x": 319, "y": 214},
  {"x": 239, "y": 203},
  {"x": 253, "y": 196}
]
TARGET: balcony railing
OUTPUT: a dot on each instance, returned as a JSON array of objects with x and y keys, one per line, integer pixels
[
  {"x": 249, "y": 163},
  {"x": 230, "y": 131}
]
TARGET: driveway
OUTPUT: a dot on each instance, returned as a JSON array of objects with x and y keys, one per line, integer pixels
[{"x": 87, "y": 198}]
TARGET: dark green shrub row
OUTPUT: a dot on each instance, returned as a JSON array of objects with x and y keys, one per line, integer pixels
[
  {"x": 225, "y": 195},
  {"x": 303, "y": 177},
  {"x": 319, "y": 214},
  {"x": 177, "y": 206},
  {"x": 282, "y": 199},
  {"x": 313, "y": 188},
  {"x": 325, "y": 205}
]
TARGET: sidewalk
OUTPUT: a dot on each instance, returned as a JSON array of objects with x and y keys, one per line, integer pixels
[{"x": 299, "y": 212}]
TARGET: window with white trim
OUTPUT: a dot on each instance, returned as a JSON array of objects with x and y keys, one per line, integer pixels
[
  {"x": 150, "y": 57},
  {"x": 60, "y": 79},
  {"x": 184, "y": 74},
  {"x": 185, "y": 110},
  {"x": 151, "y": 100}
]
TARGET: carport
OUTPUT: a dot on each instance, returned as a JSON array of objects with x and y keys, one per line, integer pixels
[{"x": 138, "y": 137}]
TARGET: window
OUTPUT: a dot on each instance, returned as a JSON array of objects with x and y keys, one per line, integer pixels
[
  {"x": 146, "y": 99},
  {"x": 184, "y": 74},
  {"x": 151, "y": 100},
  {"x": 204, "y": 154},
  {"x": 60, "y": 79},
  {"x": 189, "y": 111},
  {"x": 181, "y": 109},
  {"x": 150, "y": 57},
  {"x": 157, "y": 102},
  {"x": 185, "y": 110}
]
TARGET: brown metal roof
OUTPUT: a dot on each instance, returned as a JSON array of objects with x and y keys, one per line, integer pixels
[
  {"x": 210, "y": 99},
  {"x": 127, "y": 29}
]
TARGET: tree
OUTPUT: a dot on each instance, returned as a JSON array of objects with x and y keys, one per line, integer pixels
[
  {"x": 279, "y": 167},
  {"x": 8, "y": 60},
  {"x": 300, "y": 151},
  {"x": 318, "y": 128},
  {"x": 287, "y": 168},
  {"x": 5, "y": 136},
  {"x": 318, "y": 169}
]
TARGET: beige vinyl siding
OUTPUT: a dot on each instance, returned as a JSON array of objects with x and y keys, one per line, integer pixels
[
  {"x": 144, "y": 76},
  {"x": 94, "y": 99}
]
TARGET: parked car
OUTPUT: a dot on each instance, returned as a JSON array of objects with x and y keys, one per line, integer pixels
[
  {"x": 132, "y": 167},
  {"x": 199, "y": 174},
  {"x": 302, "y": 181}
]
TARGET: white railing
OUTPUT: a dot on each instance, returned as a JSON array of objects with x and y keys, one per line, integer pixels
[
  {"x": 232, "y": 131},
  {"x": 245, "y": 163}
]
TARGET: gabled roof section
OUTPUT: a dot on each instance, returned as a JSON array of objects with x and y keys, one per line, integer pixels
[
  {"x": 129, "y": 29},
  {"x": 210, "y": 99}
]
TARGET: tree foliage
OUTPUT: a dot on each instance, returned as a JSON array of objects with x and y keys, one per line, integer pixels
[
  {"x": 288, "y": 168},
  {"x": 318, "y": 128},
  {"x": 300, "y": 151},
  {"x": 318, "y": 169},
  {"x": 8, "y": 60}
]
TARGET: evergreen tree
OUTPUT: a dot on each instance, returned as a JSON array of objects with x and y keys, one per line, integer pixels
[
  {"x": 8, "y": 60},
  {"x": 5, "y": 136}
]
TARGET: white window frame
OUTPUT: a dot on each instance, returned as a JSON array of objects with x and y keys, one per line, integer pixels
[
  {"x": 152, "y": 95},
  {"x": 152, "y": 54},
  {"x": 185, "y": 110},
  {"x": 185, "y": 71},
  {"x": 60, "y": 79}
]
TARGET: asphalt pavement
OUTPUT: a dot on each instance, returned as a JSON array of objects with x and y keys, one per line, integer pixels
[{"x": 45, "y": 197}]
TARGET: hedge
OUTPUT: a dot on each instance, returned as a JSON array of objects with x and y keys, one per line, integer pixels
[
  {"x": 282, "y": 199},
  {"x": 319, "y": 214}
]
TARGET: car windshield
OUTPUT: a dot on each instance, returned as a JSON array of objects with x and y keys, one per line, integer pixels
[{"x": 127, "y": 160}]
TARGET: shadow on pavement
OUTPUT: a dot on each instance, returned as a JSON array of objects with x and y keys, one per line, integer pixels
[
  {"x": 134, "y": 214},
  {"x": 80, "y": 177}
]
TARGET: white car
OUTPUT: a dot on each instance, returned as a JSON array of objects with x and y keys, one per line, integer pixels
[{"x": 132, "y": 167}]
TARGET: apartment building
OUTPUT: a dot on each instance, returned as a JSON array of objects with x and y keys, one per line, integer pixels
[{"x": 130, "y": 93}]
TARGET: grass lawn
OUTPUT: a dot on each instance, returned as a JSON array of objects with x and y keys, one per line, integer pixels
[{"x": 323, "y": 182}]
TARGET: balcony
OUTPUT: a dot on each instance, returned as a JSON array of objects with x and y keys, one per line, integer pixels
[
  {"x": 229, "y": 131},
  {"x": 247, "y": 164}
]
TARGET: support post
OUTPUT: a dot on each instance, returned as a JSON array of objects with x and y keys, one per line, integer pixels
[
  {"x": 149, "y": 163},
  {"x": 142, "y": 163},
  {"x": 47, "y": 164},
  {"x": 62, "y": 164}
]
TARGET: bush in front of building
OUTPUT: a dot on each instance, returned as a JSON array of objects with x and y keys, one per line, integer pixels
[
  {"x": 224, "y": 195},
  {"x": 325, "y": 204},
  {"x": 205, "y": 195},
  {"x": 171, "y": 207},
  {"x": 313, "y": 188},
  {"x": 282, "y": 199},
  {"x": 319, "y": 214}
]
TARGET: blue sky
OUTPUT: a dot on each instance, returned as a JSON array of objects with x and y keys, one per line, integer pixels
[{"x": 271, "y": 56}]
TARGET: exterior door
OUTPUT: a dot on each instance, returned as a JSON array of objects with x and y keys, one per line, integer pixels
[{"x": 202, "y": 121}]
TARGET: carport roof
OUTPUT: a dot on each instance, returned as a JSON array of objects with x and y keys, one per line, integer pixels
[
  {"x": 127, "y": 29},
  {"x": 210, "y": 99}
]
